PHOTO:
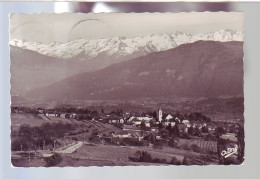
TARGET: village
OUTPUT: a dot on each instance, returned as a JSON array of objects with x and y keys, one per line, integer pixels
[{"x": 156, "y": 130}]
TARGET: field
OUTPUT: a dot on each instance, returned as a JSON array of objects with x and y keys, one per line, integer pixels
[
  {"x": 38, "y": 120},
  {"x": 19, "y": 119},
  {"x": 109, "y": 155},
  {"x": 202, "y": 144}
]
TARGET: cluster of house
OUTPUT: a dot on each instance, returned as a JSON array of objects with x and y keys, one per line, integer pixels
[
  {"x": 165, "y": 120},
  {"x": 146, "y": 120},
  {"x": 133, "y": 124},
  {"x": 61, "y": 115},
  {"x": 51, "y": 113}
]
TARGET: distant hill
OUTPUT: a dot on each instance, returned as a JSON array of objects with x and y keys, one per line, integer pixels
[
  {"x": 30, "y": 69},
  {"x": 199, "y": 69}
]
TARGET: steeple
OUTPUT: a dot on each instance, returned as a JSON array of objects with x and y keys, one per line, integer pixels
[{"x": 160, "y": 115}]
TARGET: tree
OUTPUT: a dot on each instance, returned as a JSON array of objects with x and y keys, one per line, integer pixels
[
  {"x": 185, "y": 161},
  {"x": 150, "y": 137},
  {"x": 143, "y": 125},
  {"x": 197, "y": 131},
  {"x": 176, "y": 131},
  {"x": 95, "y": 132},
  {"x": 145, "y": 157},
  {"x": 53, "y": 160},
  {"x": 36, "y": 136},
  {"x": 154, "y": 115},
  {"x": 195, "y": 148},
  {"x": 52, "y": 132},
  {"x": 152, "y": 123},
  {"x": 210, "y": 137},
  {"x": 25, "y": 137},
  {"x": 161, "y": 125},
  {"x": 204, "y": 129},
  {"x": 169, "y": 128},
  {"x": 25, "y": 130},
  {"x": 172, "y": 142},
  {"x": 44, "y": 134},
  {"x": 175, "y": 161},
  {"x": 191, "y": 130},
  {"x": 164, "y": 133},
  {"x": 220, "y": 130}
]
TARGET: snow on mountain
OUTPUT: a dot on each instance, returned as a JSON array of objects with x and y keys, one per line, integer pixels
[{"x": 122, "y": 46}]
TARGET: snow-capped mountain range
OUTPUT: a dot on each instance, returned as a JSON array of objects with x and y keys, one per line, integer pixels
[{"x": 122, "y": 46}]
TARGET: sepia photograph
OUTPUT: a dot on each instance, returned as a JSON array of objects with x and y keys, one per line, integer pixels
[{"x": 127, "y": 89}]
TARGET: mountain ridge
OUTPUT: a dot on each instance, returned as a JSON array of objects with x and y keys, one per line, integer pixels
[
  {"x": 199, "y": 69},
  {"x": 122, "y": 46}
]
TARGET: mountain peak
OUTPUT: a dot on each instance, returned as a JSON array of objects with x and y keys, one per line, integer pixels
[{"x": 118, "y": 46}]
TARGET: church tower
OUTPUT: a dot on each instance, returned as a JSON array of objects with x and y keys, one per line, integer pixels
[{"x": 160, "y": 115}]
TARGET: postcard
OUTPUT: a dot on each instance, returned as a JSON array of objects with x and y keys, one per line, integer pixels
[{"x": 127, "y": 89}]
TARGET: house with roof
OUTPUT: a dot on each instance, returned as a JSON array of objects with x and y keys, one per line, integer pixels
[
  {"x": 137, "y": 123},
  {"x": 113, "y": 121},
  {"x": 131, "y": 128},
  {"x": 122, "y": 121},
  {"x": 40, "y": 110},
  {"x": 229, "y": 136},
  {"x": 168, "y": 117},
  {"x": 185, "y": 121},
  {"x": 157, "y": 137},
  {"x": 155, "y": 129},
  {"x": 63, "y": 115},
  {"x": 147, "y": 124},
  {"x": 173, "y": 124},
  {"x": 166, "y": 123},
  {"x": 121, "y": 134},
  {"x": 140, "y": 118},
  {"x": 73, "y": 115},
  {"x": 50, "y": 114},
  {"x": 177, "y": 120}
]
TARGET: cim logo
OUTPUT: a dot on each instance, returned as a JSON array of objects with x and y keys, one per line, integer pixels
[{"x": 230, "y": 151}]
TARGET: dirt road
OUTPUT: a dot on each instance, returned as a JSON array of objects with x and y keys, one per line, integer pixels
[{"x": 70, "y": 149}]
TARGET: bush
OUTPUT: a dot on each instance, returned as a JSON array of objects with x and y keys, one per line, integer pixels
[
  {"x": 132, "y": 142},
  {"x": 185, "y": 161},
  {"x": 141, "y": 157},
  {"x": 175, "y": 161},
  {"x": 107, "y": 140},
  {"x": 157, "y": 160},
  {"x": 195, "y": 148},
  {"x": 145, "y": 157},
  {"x": 15, "y": 146},
  {"x": 186, "y": 136},
  {"x": 185, "y": 147},
  {"x": 159, "y": 144},
  {"x": 53, "y": 160},
  {"x": 210, "y": 137},
  {"x": 94, "y": 139},
  {"x": 172, "y": 143}
]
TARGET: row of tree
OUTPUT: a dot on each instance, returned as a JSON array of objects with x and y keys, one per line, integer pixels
[{"x": 34, "y": 138}]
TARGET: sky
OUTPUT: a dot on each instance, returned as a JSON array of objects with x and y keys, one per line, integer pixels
[{"x": 64, "y": 27}]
